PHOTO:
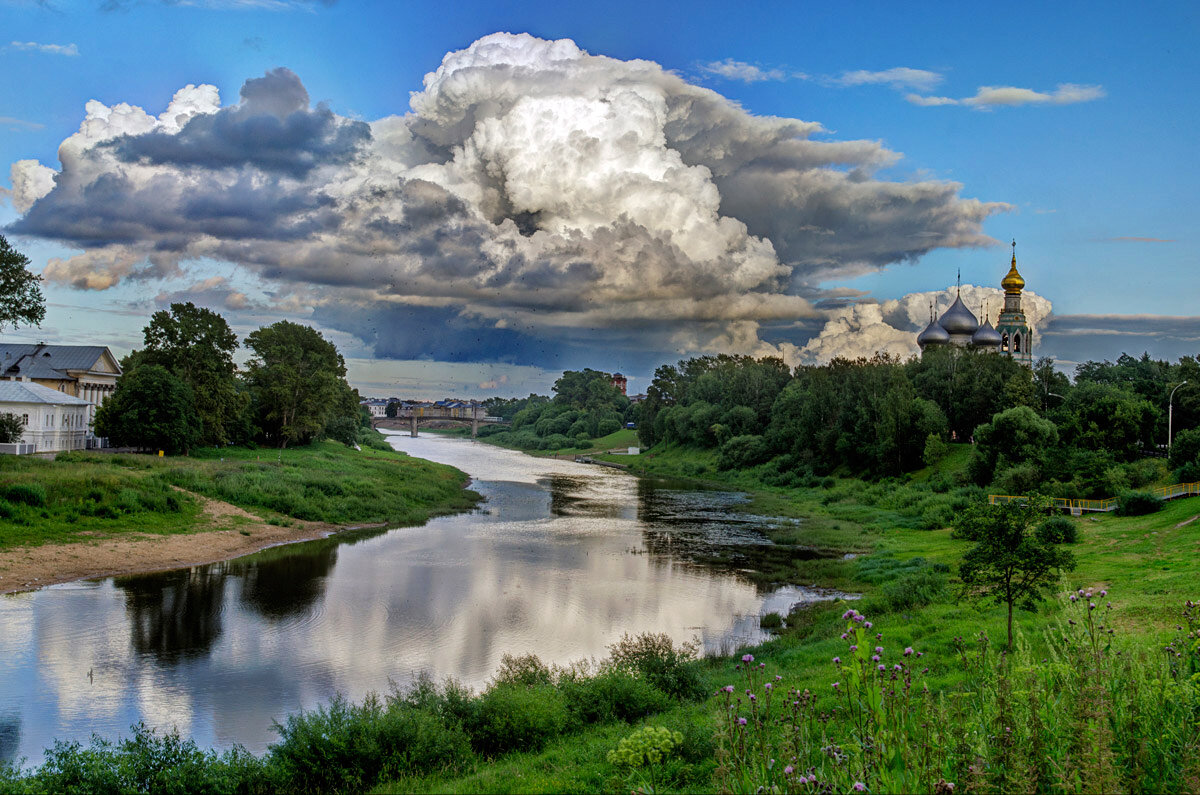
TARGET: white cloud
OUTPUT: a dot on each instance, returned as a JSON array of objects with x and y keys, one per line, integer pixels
[
  {"x": 534, "y": 192},
  {"x": 740, "y": 70},
  {"x": 898, "y": 78},
  {"x": 18, "y": 125},
  {"x": 50, "y": 49},
  {"x": 988, "y": 97}
]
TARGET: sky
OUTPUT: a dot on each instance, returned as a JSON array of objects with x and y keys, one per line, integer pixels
[{"x": 470, "y": 198}]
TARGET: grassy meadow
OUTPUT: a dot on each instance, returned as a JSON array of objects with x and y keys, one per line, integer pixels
[{"x": 88, "y": 496}]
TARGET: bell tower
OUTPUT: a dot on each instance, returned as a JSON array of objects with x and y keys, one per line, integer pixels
[{"x": 1016, "y": 338}]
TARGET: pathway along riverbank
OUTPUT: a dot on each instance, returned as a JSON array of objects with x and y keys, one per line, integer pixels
[{"x": 94, "y": 515}]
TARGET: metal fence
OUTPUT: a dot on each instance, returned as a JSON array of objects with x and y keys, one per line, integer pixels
[{"x": 1078, "y": 506}]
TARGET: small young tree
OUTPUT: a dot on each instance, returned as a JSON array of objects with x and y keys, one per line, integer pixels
[{"x": 1016, "y": 559}]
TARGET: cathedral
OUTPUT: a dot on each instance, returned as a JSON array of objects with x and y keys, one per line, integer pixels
[{"x": 958, "y": 326}]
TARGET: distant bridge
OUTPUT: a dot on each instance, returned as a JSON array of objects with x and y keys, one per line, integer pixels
[{"x": 413, "y": 416}]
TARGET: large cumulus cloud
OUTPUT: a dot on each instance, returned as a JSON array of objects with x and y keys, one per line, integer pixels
[{"x": 530, "y": 186}]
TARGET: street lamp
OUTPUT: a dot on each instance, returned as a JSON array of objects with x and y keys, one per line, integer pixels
[{"x": 1170, "y": 414}]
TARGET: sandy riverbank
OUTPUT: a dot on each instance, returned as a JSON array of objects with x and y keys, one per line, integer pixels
[{"x": 230, "y": 533}]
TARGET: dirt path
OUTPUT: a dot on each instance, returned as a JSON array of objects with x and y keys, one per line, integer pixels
[{"x": 234, "y": 532}]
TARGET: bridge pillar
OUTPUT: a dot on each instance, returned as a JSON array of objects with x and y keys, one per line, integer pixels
[
  {"x": 413, "y": 426},
  {"x": 474, "y": 427}
]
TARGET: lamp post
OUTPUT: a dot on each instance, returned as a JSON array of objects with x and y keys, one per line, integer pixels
[{"x": 1171, "y": 414}]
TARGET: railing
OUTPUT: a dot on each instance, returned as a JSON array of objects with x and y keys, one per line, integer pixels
[{"x": 1078, "y": 506}]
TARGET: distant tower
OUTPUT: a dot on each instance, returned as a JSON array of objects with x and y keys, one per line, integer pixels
[
  {"x": 618, "y": 382},
  {"x": 1016, "y": 338}
]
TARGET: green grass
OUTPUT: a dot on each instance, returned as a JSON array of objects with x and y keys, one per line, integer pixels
[{"x": 96, "y": 495}]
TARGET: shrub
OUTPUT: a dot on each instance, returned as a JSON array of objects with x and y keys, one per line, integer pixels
[
  {"x": 771, "y": 621},
  {"x": 1019, "y": 479},
  {"x": 32, "y": 494},
  {"x": 516, "y": 718},
  {"x": 526, "y": 669},
  {"x": 915, "y": 589},
  {"x": 611, "y": 695},
  {"x": 656, "y": 658},
  {"x": 742, "y": 451},
  {"x": 937, "y": 516},
  {"x": 1137, "y": 503},
  {"x": 1059, "y": 530}
]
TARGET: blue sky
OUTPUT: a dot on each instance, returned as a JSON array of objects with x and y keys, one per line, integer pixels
[{"x": 1096, "y": 169}]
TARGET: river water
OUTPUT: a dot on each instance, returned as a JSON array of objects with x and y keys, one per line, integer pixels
[{"x": 561, "y": 560}]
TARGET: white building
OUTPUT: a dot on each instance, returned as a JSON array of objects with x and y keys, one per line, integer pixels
[
  {"x": 376, "y": 406},
  {"x": 53, "y": 420},
  {"x": 89, "y": 372}
]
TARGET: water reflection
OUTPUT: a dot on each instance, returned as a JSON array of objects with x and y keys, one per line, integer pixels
[
  {"x": 561, "y": 560},
  {"x": 175, "y": 614}
]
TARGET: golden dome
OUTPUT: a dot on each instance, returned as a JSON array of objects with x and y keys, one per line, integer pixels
[{"x": 1012, "y": 282}]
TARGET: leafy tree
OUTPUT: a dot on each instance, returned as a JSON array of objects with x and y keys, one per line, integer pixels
[
  {"x": 391, "y": 410},
  {"x": 1100, "y": 416},
  {"x": 1016, "y": 436},
  {"x": 11, "y": 428},
  {"x": 1185, "y": 454},
  {"x": 197, "y": 346},
  {"x": 1016, "y": 559},
  {"x": 297, "y": 378},
  {"x": 151, "y": 409},
  {"x": 21, "y": 298}
]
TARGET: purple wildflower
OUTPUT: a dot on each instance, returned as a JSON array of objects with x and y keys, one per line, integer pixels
[
  {"x": 741, "y": 721},
  {"x": 787, "y": 771},
  {"x": 853, "y": 647},
  {"x": 835, "y": 685},
  {"x": 879, "y": 650},
  {"x": 1072, "y": 597},
  {"x": 866, "y": 624},
  {"x": 908, "y": 651},
  {"x": 747, "y": 658},
  {"x": 837, "y": 660},
  {"x": 728, "y": 688},
  {"x": 859, "y": 787},
  {"x": 882, "y": 668}
]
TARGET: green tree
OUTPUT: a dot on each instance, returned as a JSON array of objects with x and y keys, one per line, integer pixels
[
  {"x": 297, "y": 378},
  {"x": 391, "y": 410},
  {"x": 11, "y": 428},
  {"x": 197, "y": 346},
  {"x": 151, "y": 409},
  {"x": 21, "y": 298},
  {"x": 1017, "y": 436},
  {"x": 1016, "y": 560}
]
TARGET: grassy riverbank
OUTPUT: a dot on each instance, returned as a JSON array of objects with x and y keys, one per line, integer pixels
[
  {"x": 86, "y": 496},
  {"x": 1074, "y": 709}
]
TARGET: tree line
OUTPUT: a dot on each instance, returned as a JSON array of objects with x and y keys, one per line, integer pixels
[
  {"x": 183, "y": 389},
  {"x": 585, "y": 406},
  {"x": 1034, "y": 428}
]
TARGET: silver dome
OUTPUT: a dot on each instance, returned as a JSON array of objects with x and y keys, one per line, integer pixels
[
  {"x": 986, "y": 336},
  {"x": 958, "y": 319},
  {"x": 932, "y": 335}
]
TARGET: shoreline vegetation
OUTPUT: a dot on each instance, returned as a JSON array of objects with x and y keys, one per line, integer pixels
[
  {"x": 1090, "y": 699},
  {"x": 87, "y": 515}
]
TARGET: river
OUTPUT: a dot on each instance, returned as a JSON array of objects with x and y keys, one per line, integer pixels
[{"x": 561, "y": 560}]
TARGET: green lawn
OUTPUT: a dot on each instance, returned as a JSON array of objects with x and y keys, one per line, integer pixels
[{"x": 86, "y": 495}]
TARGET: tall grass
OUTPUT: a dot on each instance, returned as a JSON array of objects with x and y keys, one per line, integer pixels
[{"x": 1092, "y": 715}]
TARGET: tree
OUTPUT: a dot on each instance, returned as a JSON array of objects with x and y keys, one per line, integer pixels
[
  {"x": 11, "y": 428},
  {"x": 1013, "y": 437},
  {"x": 297, "y": 378},
  {"x": 21, "y": 298},
  {"x": 1016, "y": 559},
  {"x": 391, "y": 410},
  {"x": 197, "y": 345},
  {"x": 150, "y": 409}
]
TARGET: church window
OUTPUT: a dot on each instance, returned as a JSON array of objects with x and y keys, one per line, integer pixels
[
  {"x": 1004, "y": 342},
  {"x": 1017, "y": 343}
]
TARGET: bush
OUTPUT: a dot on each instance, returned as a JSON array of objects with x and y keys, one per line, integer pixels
[
  {"x": 348, "y": 748},
  {"x": 1059, "y": 530},
  {"x": 915, "y": 589},
  {"x": 32, "y": 494},
  {"x": 655, "y": 658},
  {"x": 527, "y": 669},
  {"x": 1019, "y": 479},
  {"x": 611, "y": 695},
  {"x": 517, "y": 718},
  {"x": 771, "y": 621},
  {"x": 1138, "y": 503},
  {"x": 742, "y": 451}
]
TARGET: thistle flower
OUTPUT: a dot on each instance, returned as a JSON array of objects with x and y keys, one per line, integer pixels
[
  {"x": 747, "y": 658},
  {"x": 859, "y": 787},
  {"x": 853, "y": 647},
  {"x": 741, "y": 721},
  {"x": 835, "y": 685},
  {"x": 908, "y": 651},
  {"x": 787, "y": 771},
  {"x": 879, "y": 650},
  {"x": 874, "y": 658},
  {"x": 837, "y": 660},
  {"x": 1104, "y": 593},
  {"x": 882, "y": 668},
  {"x": 866, "y": 624},
  {"x": 1072, "y": 597}
]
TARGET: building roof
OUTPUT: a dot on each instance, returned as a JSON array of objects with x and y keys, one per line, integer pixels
[
  {"x": 958, "y": 319},
  {"x": 50, "y": 361},
  {"x": 27, "y": 392}
]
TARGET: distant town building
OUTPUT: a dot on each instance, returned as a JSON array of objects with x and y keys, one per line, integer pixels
[
  {"x": 88, "y": 372},
  {"x": 619, "y": 381},
  {"x": 959, "y": 327},
  {"x": 376, "y": 406},
  {"x": 53, "y": 420}
]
